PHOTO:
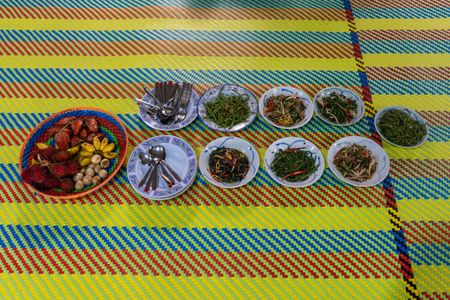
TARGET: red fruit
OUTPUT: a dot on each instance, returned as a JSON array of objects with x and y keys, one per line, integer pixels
[
  {"x": 59, "y": 170},
  {"x": 62, "y": 140},
  {"x": 64, "y": 121},
  {"x": 67, "y": 185},
  {"x": 91, "y": 124},
  {"x": 76, "y": 126},
  {"x": 33, "y": 174},
  {"x": 67, "y": 131},
  {"x": 61, "y": 156},
  {"x": 46, "y": 154},
  {"x": 75, "y": 141},
  {"x": 100, "y": 136},
  {"x": 71, "y": 167},
  {"x": 91, "y": 137},
  {"x": 53, "y": 130},
  {"x": 51, "y": 182},
  {"x": 83, "y": 133}
]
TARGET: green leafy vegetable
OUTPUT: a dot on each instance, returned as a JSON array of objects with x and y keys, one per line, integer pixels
[
  {"x": 228, "y": 110},
  {"x": 398, "y": 127},
  {"x": 294, "y": 164}
]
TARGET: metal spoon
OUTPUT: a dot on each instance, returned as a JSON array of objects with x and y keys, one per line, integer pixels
[
  {"x": 158, "y": 154},
  {"x": 147, "y": 160}
]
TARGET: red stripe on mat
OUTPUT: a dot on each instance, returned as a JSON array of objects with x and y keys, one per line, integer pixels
[
  {"x": 170, "y": 12},
  {"x": 186, "y": 48},
  {"x": 190, "y": 263}
]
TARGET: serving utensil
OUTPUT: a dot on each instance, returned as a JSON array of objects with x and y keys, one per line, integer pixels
[
  {"x": 158, "y": 154},
  {"x": 186, "y": 93},
  {"x": 146, "y": 159}
]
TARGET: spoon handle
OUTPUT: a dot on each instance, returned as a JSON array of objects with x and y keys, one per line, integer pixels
[
  {"x": 174, "y": 174},
  {"x": 167, "y": 173},
  {"x": 154, "y": 179},
  {"x": 150, "y": 179},
  {"x": 166, "y": 178},
  {"x": 145, "y": 178}
]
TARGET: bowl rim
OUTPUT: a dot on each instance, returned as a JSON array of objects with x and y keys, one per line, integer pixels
[
  {"x": 104, "y": 182},
  {"x": 221, "y": 129},
  {"x": 320, "y": 170},
  {"x": 359, "y": 101},
  {"x": 303, "y": 95},
  {"x": 339, "y": 176},
  {"x": 381, "y": 112},
  {"x": 242, "y": 182},
  {"x": 159, "y": 126}
]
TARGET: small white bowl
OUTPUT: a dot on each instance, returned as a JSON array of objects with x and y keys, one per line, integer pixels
[
  {"x": 346, "y": 93},
  {"x": 290, "y": 142},
  {"x": 413, "y": 115},
  {"x": 381, "y": 157},
  {"x": 235, "y": 143},
  {"x": 287, "y": 90}
]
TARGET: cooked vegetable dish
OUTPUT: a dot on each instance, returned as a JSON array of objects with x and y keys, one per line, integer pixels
[
  {"x": 285, "y": 110},
  {"x": 355, "y": 163},
  {"x": 294, "y": 164},
  {"x": 228, "y": 165}
]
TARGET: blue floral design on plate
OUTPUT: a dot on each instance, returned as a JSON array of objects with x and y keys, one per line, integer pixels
[{"x": 179, "y": 155}]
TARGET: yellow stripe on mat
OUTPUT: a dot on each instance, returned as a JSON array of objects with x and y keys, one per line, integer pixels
[
  {"x": 50, "y": 105},
  {"x": 9, "y": 154},
  {"x": 310, "y": 218},
  {"x": 429, "y": 150},
  {"x": 149, "y": 287},
  {"x": 175, "y": 24},
  {"x": 416, "y": 102},
  {"x": 403, "y": 24},
  {"x": 406, "y": 60},
  {"x": 432, "y": 278},
  {"x": 424, "y": 210},
  {"x": 178, "y": 62}
]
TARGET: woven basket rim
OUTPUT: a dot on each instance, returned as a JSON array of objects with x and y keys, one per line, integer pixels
[{"x": 103, "y": 183}]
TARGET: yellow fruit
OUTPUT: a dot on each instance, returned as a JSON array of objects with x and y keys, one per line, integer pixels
[
  {"x": 109, "y": 148},
  {"x": 110, "y": 155},
  {"x": 74, "y": 150},
  {"x": 103, "y": 144},
  {"x": 84, "y": 161},
  {"x": 42, "y": 146},
  {"x": 85, "y": 153},
  {"x": 96, "y": 143},
  {"x": 88, "y": 147}
]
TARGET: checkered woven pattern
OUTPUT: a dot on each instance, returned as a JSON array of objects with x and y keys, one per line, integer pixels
[{"x": 262, "y": 241}]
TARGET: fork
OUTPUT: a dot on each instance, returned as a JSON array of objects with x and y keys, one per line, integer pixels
[{"x": 184, "y": 101}]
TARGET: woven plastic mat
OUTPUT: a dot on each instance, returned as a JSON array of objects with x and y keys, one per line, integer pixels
[{"x": 262, "y": 241}]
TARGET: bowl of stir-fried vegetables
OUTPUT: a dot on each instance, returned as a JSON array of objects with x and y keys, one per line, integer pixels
[
  {"x": 286, "y": 107},
  {"x": 358, "y": 161},
  {"x": 229, "y": 162},
  {"x": 339, "y": 106}
]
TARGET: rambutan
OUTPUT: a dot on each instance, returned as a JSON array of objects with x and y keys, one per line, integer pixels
[
  {"x": 33, "y": 174},
  {"x": 46, "y": 153},
  {"x": 71, "y": 167},
  {"x": 61, "y": 156},
  {"x": 67, "y": 185},
  {"x": 51, "y": 182},
  {"x": 59, "y": 170}
]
